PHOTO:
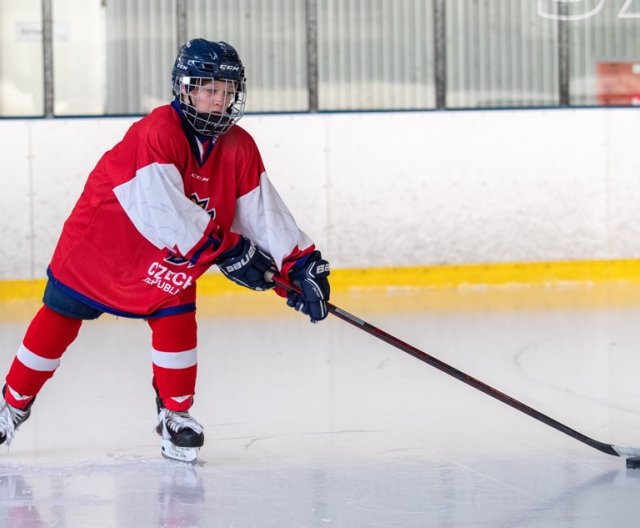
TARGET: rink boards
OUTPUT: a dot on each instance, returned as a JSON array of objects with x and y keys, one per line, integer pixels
[{"x": 515, "y": 286}]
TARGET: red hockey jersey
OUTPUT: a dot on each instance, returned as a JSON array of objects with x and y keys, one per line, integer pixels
[{"x": 147, "y": 223}]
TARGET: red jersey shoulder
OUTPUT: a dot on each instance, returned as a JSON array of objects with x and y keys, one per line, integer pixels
[
  {"x": 161, "y": 132},
  {"x": 156, "y": 138},
  {"x": 245, "y": 151},
  {"x": 238, "y": 138}
]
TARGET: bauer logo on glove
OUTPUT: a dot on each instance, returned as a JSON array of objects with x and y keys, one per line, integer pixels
[
  {"x": 246, "y": 264},
  {"x": 244, "y": 260},
  {"x": 310, "y": 275}
]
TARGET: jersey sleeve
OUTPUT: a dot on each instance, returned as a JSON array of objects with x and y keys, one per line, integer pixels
[
  {"x": 262, "y": 216},
  {"x": 153, "y": 197}
]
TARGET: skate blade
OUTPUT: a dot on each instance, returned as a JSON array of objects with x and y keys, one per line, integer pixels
[{"x": 181, "y": 454}]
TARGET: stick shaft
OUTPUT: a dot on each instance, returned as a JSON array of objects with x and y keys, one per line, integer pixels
[{"x": 458, "y": 374}]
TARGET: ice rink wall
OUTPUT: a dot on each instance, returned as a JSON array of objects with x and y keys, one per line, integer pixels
[{"x": 470, "y": 194}]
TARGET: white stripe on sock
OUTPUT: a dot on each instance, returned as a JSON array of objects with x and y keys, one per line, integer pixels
[
  {"x": 180, "y": 399},
  {"x": 175, "y": 360},
  {"x": 35, "y": 362},
  {"x": 17, "y": 396}
]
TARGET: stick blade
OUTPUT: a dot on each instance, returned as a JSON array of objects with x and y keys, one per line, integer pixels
[{"x": 632, "y": 452}]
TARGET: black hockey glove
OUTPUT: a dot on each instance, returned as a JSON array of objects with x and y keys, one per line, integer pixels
[
  {"x": 245, "y": 263},
  {"x": 311, "y": 278}
]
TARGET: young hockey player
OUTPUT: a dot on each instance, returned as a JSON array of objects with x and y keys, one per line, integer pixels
[{"x": 185, "y": 189}]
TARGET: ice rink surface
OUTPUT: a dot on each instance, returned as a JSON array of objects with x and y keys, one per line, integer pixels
[{"x": 326, "y": 426}]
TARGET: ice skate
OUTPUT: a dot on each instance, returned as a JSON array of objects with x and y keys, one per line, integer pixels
[
  {"x": 181, "y": 437},
  {"x": 11, "y": 418}
]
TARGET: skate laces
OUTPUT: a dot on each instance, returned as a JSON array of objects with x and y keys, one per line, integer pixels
[
  {"x": 177, "y": 421},
  {"x": 10, "y": 419}
]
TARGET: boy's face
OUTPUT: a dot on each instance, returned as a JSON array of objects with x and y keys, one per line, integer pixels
[{"x": 213, "y": 96}]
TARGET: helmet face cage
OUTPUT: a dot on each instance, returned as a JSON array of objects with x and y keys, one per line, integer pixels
[{"x": 211, "y": 106}]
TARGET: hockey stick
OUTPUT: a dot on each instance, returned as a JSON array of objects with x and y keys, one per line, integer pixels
[{"x": 609, "y": 449}]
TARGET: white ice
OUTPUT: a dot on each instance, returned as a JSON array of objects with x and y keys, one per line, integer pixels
[{"x": 326, "y": 426}]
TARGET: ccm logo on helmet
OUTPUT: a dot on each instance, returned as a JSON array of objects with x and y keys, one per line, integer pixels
[{"x": 229, "y": 67}]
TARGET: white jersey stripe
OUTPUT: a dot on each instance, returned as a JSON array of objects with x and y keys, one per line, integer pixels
[
  {"x": 263, "y": 217},
  {"x": 35, "y": 362},
  {"x": 175, "y": 360},
  {"x": 156, "y": 204}
]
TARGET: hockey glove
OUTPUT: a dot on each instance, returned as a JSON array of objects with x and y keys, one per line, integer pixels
[
  {"x": 245, "y": 264},
  {"x": 311, "y": 278}
]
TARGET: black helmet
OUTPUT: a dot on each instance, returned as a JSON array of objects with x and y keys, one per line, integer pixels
[{"x": 198, "y": 63}]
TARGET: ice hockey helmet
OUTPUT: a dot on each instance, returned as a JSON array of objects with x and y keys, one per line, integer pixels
[{"x": 198, "y": 61}]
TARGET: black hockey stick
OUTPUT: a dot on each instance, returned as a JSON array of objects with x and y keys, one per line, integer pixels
[{"x": 609, "y": 449}]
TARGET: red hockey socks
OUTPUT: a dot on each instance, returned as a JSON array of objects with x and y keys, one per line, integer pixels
[
  {"x": 47, "y": 337},
  {"x": 174, "y": 356}
]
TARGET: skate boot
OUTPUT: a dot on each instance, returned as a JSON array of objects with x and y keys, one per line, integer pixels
[
  {"x": 11, "y": 418},
  {"x": 181, "y": 437}
]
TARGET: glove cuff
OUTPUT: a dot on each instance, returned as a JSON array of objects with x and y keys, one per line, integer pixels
[
  {"x": 234, "y": 251},
  {"x": 300, "y": 267}
]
